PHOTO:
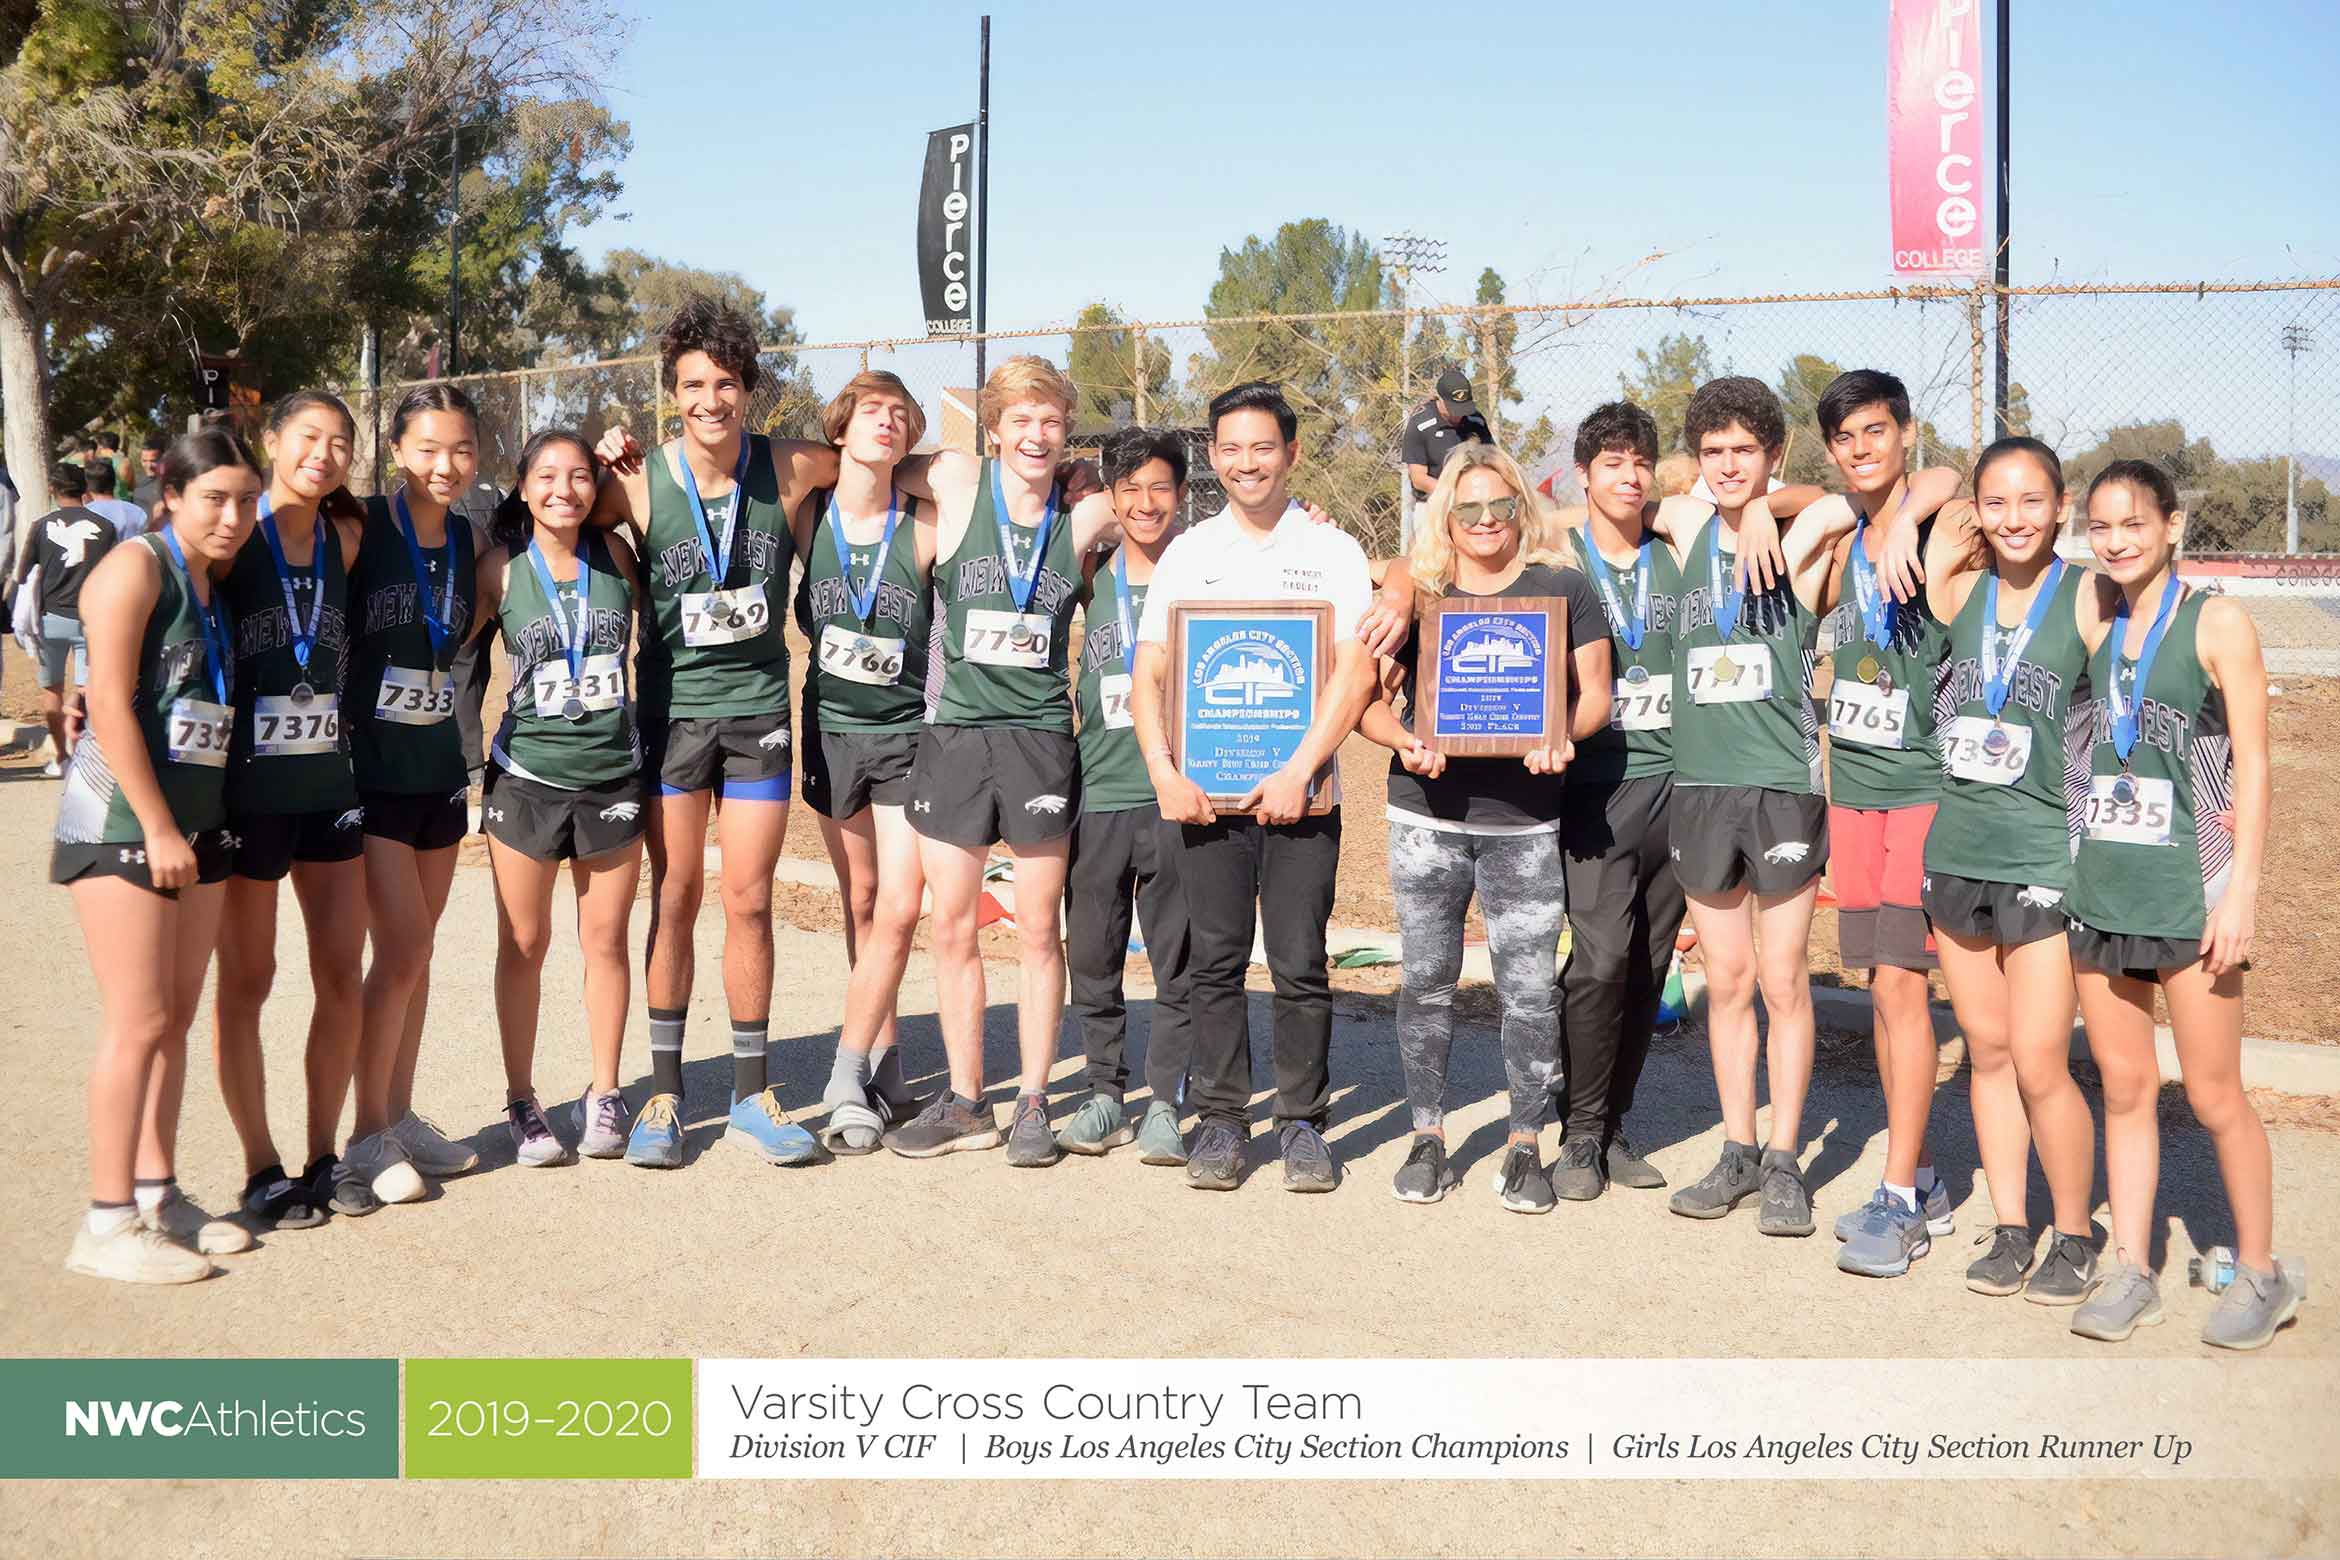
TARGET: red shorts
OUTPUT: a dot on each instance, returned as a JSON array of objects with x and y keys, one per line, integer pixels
[{"x": 1877, "y": 865}]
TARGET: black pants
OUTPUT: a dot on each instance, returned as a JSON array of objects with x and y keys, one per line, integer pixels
[
  {"x": 1230, "y": 870},
  {"x": 472, "y": 667},
  {"x": 1116, "y": 854},
  {"x": 1624, "y": 907}
]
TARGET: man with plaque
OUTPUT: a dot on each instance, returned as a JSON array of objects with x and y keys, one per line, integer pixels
[{"x": 1250, "y": 622}]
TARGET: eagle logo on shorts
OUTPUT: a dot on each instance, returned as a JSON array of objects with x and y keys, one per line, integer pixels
[
  {"x": 773, "y": 739},
  {"x": 460, "y": 794},
  {"x": 2039, "y": 898},
  {"x": 1793, "y": 850},
  {"x": 350, "y": 819},
  {"x": 1051, "y": 803},
  {"x": 622, "y": 812}
]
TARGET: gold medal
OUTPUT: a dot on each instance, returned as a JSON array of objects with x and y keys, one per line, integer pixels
[
  {"x": 1867, "y": 670},
  {"x": 1726, "y": 670}
]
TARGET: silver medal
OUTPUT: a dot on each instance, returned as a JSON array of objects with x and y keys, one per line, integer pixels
[
  {"x": 302, "y": 695},
  {"x": 1635, "y": 676},
  {"x": 1021, "y": 635},
  {"x": 573, "y": 709},
  {"x": 1996, "y": 741},
  {"x": 2124, "y": 790}
]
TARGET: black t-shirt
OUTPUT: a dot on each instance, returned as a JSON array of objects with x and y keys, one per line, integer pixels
[
  {"x": 68, "y": 546},
  {"x": 1494, "y": 792},
  {"x": 1429, "y": 440},
  {"x": 147, "y": 495}
]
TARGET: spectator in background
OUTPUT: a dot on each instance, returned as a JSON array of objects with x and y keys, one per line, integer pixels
[
  {"x": 66, "y": 546},
  {"x": 148, "y": 491},
  {"x": 126, "y": 518},
  {"x": 1435, "y": 427},
  {"x": 1677, "y": 474},
  {"x": 109, "y": 450}
]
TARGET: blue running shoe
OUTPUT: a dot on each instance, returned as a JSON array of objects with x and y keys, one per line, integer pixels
[
  {"x": 761, "y": 1123},
  {"x": 656, "y": 1143}
]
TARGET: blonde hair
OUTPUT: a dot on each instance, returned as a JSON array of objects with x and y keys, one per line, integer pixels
[
  {"x": 1677, "y": 474},
  {"x": 1431, "y": 558},
  {"x": 1023, "y": 378},
  {"x": 870, "y": 381}
]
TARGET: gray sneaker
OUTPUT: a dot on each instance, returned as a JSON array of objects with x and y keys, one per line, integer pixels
[
  {"x": 2252, "y": 1308},
  {"x": 948, "y": 1125},
  {"x": 2065, "y": 1273},
  {"x": 1425, "y": 1175},
  {"x": 1935, "y": 1200},
  {"x": 1890, "y": 1235},
  {"x": 600, "y": 1120},
  {"x": 1578, "y": 1173},
  {"x": 1520, "y": 1182},
  {"x": 1031, "y": 1145},
  {"x": 2006, "y": 1257},
  {"x": 1627, "y": 1168},
  {"x": 1217, "y": 1162},
  {"x": 1787, "y": 1201},
  {"x": 1308, "y": 1161},
  {"x": 1098, "y": 1125},
  {"x": 1736, "y": 1176},
  {"x": 2126, "y": 1299},
  {"x": 1159, "y": 1140}
]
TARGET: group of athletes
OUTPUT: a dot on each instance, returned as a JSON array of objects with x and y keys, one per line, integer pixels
[{"x": 2048, "y": 779}]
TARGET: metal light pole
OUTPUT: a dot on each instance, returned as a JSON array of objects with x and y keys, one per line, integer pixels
[
  {"x": 1409, "y": 252},
  {"x": 454, "y": 247},
  {"x": 2296, "y": 339}
]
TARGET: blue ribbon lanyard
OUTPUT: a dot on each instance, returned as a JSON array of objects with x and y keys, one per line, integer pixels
[
  {"x": 2125, "y": 720},
  {"x": 1631, "y": 627},
  {"x": 1121, "y": 608},
  {"x": 718, "y": 560},
  {"x": 437, "y": 624},
  {"x": 1999, "y": 679},
  {"x": 218, "y": 651},
  {"x": 864, "y": 603},
  {"x": 1878, "y": 610},
  {"x": 572, "y": 636},
  {"x": 1021, "y": 582},
  {"x": 304, "y": 635},
  {"x": 1727, "y": 604}
]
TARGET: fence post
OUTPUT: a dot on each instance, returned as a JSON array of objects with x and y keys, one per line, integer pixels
[
  {"x": 865, "y": 359},
  {"x": 1491, "y": 397},
  {"x": 1974, "y": 375},
  {"x": 1137, "y": 376}
]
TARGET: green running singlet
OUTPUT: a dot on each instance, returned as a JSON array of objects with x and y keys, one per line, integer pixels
[
  {"x": 864, "y": 676},
  {"x": 1732, "y": 738},
  {"x": 699, "y": 664},
  {"x": 995, "y": 672},
  {"x": 397, "y": 680},
  {"x": 1639, "y": 740},
  {"x": 307, "y": 767},
  {"x": 536, "y": 741},
  {"x": 1880, "y": 707},
  {"x": 1113, "y": 771}
]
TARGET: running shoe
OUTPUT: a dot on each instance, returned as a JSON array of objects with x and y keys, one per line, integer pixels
[
  {"x": 53, "y": 770},
  {"x": 2006, "y": 1257},
  {"x": 1520, "y": 1182},
  {"x": 1159, "y": 1140},
  {"x": 1890, "y": 1235},
  {"x": 1308, "y": 1160},
  {"x": 381, "y": 1161},
  {"x": 855, "y": 1125},
  {"x": 2065, "y": 1274},
  {"x": 763, "y": 1126},
  {"x": 1935, "y": 1200},
  {"x": 949, "y": 1125},
  {"x": 1216, "y": 1164},
  {"x": 1787, "y": 1201},
  {"x": 2252, "y": 1307},
  {"x": 1100, "y": 1124},
  {"x": 600, "y": 1123},
  {"x": 340, "y": 1187},
  {"x": 656, "y": 1143},
  {"x": 434, "y": 1153},
  {"x": 1031, "y": 1145},
  {"x": 533, "y": 1142},
  {"x": 1627, "y": 1168},
  {"x": 135, "y": 1254},
  {"x": 1425, "y": 1175},
  {"x": 179, "y": 1217},
  {"x": 2126, "y": 1299},
  {"x": 1576, "y": 1174},
  {"x": 279, "y": 1202},
  {"x": 1736, "y": 1176}
]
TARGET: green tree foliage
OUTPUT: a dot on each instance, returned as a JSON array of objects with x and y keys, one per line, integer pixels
[
  {"x": 2231, "y": 505},
  {"x": 636, "y": 294},
  {"x": 1109, "y": 363},
  {"x": 1662, "y": 382}
]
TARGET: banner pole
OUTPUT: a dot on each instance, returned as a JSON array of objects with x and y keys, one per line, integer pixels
[
  {"x": 982, "y": 199},
  {"x": 2005, "y": 178}
]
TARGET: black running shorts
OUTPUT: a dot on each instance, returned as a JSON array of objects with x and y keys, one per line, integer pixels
[
  {"x": 431, "y": 820},
  {"x": 745, "y": 757},
  {"x": 546, "y": 823},
  {"x": 267, "y": 844},
  {"x": 69, "y": 863},
  {"x": 984, "y": 785},
  {"x": 845, "y": 771},
  {"x": 1726, "y": 836},
  {"x": 2009, "y": 915}
]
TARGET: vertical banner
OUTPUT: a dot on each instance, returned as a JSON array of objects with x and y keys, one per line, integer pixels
[
  {"x": 945, "y": 237},
  {"x": 1933, "y": 137}
]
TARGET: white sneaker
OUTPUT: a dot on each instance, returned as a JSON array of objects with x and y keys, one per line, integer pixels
[
  {"x": 135, "y": 1254},
  {"x": 600, "y": 1120},
  {"x": 381, "y": 1161},
  {"x": 533, "y": 1142},
  {"x": 53, "y": 770},
  {"x": 183, "y": 1220},
  {"x": 433, "y": 1152}
]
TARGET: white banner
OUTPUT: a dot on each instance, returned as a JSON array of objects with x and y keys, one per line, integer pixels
[{"x": 2113, "y": 1417}]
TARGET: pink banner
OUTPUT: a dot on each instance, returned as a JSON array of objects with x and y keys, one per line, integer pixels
[{"x": 1933, "y": 137}]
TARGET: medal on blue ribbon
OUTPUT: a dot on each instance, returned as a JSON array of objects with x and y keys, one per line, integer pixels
[
  {"x": 572, "y": 636},
  {"x": 1998, "y": 676},
  {"x": 1879, "y": 612},
  {"x": 218, "y": 650},
  {"x": 718, "y": 558},
  {"x": 303, "y": 634},
  {"x": 1632, "y": 627},
  {"x": 1122, "y": 614},
  {"x": 1020, "y": 582},
  {"x": 2126, "y": 712},
  {"x": 1726, "y": 603},
  {"x": 438, "y": 624},
  {"x": 864, "y": 603}
]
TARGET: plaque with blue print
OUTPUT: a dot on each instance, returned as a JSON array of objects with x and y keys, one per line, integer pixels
[
  {"x": 1245, "y": 679},
  {"x": 1492, "y": 676}
]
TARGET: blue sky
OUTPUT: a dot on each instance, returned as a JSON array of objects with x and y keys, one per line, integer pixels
[{"x": 1558, "y": 142}]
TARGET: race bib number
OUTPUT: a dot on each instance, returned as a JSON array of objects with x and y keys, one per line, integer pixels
[
  {"x": 1008, "y": 638},
  {"x": 2126, "y": 810},
  {"x": 1730, "y": 674},
  {"x": 725, "y": 617},
  {"x": 861, "y": 658},
  {"x": 283, "y": 729},
  {"x": 1966, "y": 751},
  {"x": 1865, "y": 713},
  {"x": 411, "y": 698},
  {"x": 197, "y": 732},
  {"x": 1647, "y": 706},
  {"x": 602, "y": 685},
  {"x": 1113, "y": 699}
]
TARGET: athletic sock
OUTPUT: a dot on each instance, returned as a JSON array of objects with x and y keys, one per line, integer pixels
[
  {"x": 748, "y": 1045},
  {"x": 848, "y": 1077},
  {"x": 150, "y": 1194},
  {"x": 666, "y": 1037},
  {"x": 1925, "y": 1180},
  {"x": 1907, "y": 1194},
  {"x": 106, "y": 1218},
  {"x": 885, "y": 1072}
]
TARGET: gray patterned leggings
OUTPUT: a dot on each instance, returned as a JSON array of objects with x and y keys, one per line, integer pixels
[{"x": 1523, "y": 899}]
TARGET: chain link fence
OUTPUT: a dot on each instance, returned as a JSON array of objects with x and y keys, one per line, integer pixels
[{"x": 2234, "y": 387}]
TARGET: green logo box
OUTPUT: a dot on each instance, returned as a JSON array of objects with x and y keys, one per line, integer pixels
[
  {"x": 199, "y": 1419},
  {"x": 548, "y": 1419}
]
